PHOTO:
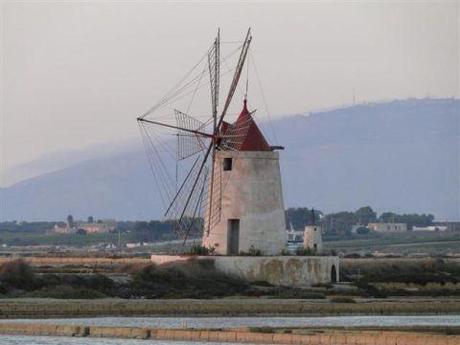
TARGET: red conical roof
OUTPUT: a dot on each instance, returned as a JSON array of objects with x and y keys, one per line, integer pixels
[{"x": 254, "y": 141}]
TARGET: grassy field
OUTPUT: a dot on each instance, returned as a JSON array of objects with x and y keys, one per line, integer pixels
[
  {"x": 30, "y": 238},
  {"x": 433, "y": 243},
  {"x": 37, "y": 308},
  {"x": 404, "y": 243}
]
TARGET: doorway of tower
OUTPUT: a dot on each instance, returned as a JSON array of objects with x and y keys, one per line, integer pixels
[
  {"x": 233, "y": 237},
  {"x": 333, "y": 274}
]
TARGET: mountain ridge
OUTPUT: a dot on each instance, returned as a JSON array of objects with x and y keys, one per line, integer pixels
[{"x": 399, "y": 155}]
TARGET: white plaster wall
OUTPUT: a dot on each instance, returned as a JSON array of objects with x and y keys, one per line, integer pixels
[
  {"x": 251, "y": 192},
  {"x": 295, "y": 271}
]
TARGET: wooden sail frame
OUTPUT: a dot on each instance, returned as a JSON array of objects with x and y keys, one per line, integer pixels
[{"x": 192, "y": 190}]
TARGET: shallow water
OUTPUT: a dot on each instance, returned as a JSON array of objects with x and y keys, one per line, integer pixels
[
  {"x": 36, "y": 340},
  {"x": 233, "y": 322}
]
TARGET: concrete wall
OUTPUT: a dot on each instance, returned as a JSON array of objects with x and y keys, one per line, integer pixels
[
  {"x": 252, "y": 193},
  {"x": 297, "y": 271}
]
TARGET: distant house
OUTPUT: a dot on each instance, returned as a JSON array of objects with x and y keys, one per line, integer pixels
[
  {"x": 388, "y": 227},
  {"x": 101, "y": 226},
  {"x": 59, "y": 229},
  {"x": 295, "y": 235},
  {"x": 104, "y": 226},
  {"x": 132, "y": 245},
  {"x": 450, "y": 226},
  {"x": 294, "y": 240},
  {"x": 429, "y": 228}
]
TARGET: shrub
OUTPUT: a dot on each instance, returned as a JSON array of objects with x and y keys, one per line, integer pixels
[
  {"x": 342, "y": 299},
  {"x": 251, "y": 252},
  {"x": 304, "y": 252},
  {"x": 195, "y": 279},
  {"x": 17, "y": 275},
  {"x": 371, "y": 290},
  {"x": 200, "y": 250},
  {"x": 65, "y": 292},
  {"x": 284, "y": 292},
  {"x": 352, "y": 256},
  {"x": 262, "y": 329},
  {"x": 285, "y": 252}
]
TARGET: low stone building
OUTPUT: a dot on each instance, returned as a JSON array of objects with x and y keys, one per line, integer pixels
[
  {"x": 104, "y": 226},
  {"x": 388, "y": 227},
  {"x": 293, "y": 271}
]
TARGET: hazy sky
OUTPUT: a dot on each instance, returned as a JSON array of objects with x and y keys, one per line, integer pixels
[{"x": 76, "y": 74}]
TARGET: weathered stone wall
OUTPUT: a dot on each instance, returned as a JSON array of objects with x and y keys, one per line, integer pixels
[
  {"x": 323, "y": 337},
  {"x": 297, "y": 271},
  {"x": 252, "y": 193}
]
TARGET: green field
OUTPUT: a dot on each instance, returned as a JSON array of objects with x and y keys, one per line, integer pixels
[
  {"x": 404, "y": 243},
  {"x": 397, "y": 243},
  {"x": 31, "y": 238}
]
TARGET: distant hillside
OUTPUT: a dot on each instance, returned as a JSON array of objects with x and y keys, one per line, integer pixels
[{"x": 401, "y": 156}]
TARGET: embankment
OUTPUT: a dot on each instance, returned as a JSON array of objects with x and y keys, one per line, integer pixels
[
  {"x": 48, "y": 308},
  {"x": 323, "y": 337}
]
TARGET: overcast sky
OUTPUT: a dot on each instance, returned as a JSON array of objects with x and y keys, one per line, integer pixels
[{"x": 76, "y": 74}]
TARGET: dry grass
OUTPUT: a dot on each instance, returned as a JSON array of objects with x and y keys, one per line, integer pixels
[{"x": 38, "y": 308}]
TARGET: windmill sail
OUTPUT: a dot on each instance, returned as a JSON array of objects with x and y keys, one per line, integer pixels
[{"x": 182, "y": 148}]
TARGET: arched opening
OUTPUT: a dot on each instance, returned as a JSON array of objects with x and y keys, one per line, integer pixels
[{"x": 333, "y": 274}]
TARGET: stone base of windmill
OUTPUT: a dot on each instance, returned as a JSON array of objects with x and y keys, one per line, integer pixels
[{"x": 293, "y": 271}]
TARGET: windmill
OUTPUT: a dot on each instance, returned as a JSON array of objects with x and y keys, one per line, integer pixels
[{"x": 188, "y": 154}]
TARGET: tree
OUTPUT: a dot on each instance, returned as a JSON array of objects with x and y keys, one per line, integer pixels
[
  {"x": 90, "y": 219},
  {"x": 141, "y": 230},
  {"x": 301, "y": 216},
  {"x": 411, "y": 220},
  {"x": 70, "y": 221},
  {"x": 81, "y": 232},
  {"x": 388, "y": 217},
  {"x": 339, "y": 223},
  {"x": 365, "y": 215}
]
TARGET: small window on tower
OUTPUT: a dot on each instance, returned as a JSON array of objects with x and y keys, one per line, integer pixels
[{"x": 228, "y": 164}]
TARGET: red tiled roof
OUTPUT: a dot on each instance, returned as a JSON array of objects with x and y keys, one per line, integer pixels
[{"x": 255, "y": 140}]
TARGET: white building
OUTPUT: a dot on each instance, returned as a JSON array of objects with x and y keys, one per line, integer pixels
[
  {"x": 429, "y": 228},
  {"x": 388, "y": 227},
  {"x": 295, "y": 236}
]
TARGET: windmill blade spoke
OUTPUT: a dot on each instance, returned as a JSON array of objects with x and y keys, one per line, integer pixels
[
  {"x": 198, "y": 205},
  {"x": 182, "y": 149},
  {"x": 235, "y": 135},
  {"x": 190, "y": 140},
  {"x": 236, "y": 76}
]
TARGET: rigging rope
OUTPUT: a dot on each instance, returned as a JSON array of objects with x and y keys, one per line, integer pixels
[{"x": 263, "y": 98}]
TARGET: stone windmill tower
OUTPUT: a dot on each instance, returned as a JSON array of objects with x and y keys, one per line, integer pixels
[
  {"x": 230, "y": 186},
  {"x": 219, "y": 179},
  {"x": 252, "y": 208}
]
